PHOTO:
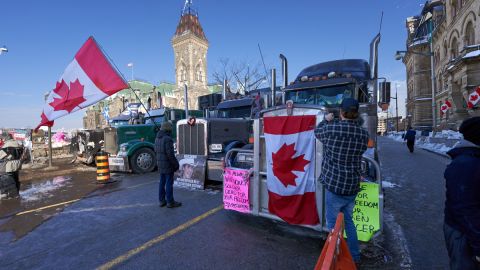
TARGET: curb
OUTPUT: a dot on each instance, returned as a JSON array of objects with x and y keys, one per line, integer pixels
[{"x": 439, "y": 154}]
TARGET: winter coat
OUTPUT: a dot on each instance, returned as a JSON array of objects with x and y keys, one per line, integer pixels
[
  {"x": 166, "y": 161},
  {"x": 410, "y": 135},
  {"x": 462, "y": 205}
]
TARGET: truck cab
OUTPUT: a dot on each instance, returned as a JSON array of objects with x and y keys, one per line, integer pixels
[{"x": 132, "y": 146}]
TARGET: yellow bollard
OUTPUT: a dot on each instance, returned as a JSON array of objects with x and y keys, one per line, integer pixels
[{"x": 103, "y": 172}]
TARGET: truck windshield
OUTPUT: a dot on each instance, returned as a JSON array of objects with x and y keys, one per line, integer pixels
[
  {"x": 330, "y": 96},
  {"x": 236, "y": 112},
  {"x": 157, "y": 119}
]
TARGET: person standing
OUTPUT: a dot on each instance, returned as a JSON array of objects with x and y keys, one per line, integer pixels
[
  {"x": 167, "y": 164},
  {"x": 410, "y": 138},
  {"x": 344, "y": 143},
  {"x": 462, "y": 205}
]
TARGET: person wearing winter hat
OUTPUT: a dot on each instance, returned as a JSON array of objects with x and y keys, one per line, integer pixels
[
  {"x": 167, "y": 164},
  {"x": 462, "y": 206}
]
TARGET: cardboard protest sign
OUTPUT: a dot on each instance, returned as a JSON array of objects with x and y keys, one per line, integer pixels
[
  {"x": 366, "y": 213},
  {"x": 235, "y": 190},
  {"x": 191, "y": 173}
]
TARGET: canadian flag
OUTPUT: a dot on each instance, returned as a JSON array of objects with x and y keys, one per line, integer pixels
[
  {"x": 473, "y": 98},
  {"x": 446, "y": 106},
  {"x": 290, "y": 144},
  {"x": 88, "y": 79}
]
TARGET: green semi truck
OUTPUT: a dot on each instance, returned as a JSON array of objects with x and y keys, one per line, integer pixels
[{"x": 131, "y": 147}]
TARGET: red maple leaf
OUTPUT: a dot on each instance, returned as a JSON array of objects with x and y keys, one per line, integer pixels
[
  {"x": 70, "y": 97},
  {"x": 473, "y": 97},
  {"x": 284, "y": 164}
]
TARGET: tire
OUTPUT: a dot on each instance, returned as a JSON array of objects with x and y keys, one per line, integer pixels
[
  {"x": 143, "y": 161},
  {"x": 8, "y": 187}
]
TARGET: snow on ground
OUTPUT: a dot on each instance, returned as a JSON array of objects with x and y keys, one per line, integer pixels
[
  {"x": 425, "y": 143},
  {"x": 39, "y": 191},
  {"x": 387, "y": 184}
]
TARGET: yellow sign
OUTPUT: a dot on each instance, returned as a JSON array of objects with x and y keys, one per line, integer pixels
[{"x": 366, "y": 213}]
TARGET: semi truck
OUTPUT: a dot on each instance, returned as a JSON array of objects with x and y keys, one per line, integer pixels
[
  {"x": 230, "y": 126},
  {"x": 131, "y": 147},
  {"x": 317, "y": 90}
]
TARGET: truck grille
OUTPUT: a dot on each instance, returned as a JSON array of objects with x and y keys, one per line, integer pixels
[
  {"x": 191, "y": 139},
  {"x": 111, "y": 146}
]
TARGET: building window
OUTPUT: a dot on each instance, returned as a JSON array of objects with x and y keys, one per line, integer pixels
[
  {"x": 454, "y": 48},
  {"x": 453, "y": 9},
  {"x": 469, "y": 35}
]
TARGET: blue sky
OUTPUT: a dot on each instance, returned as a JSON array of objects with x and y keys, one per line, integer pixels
[{"x": 43, "y": 36}]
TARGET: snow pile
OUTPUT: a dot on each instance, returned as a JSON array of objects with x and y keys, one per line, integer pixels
[
  {"x": 472, "y": 54},
  {"x": 38, "y": 191},
  {"x": 435, "y": 147},
  {"x": 424, "y": 142},
  {"x": 449, "y": 134},
  {"x": 395, "y": 136}
]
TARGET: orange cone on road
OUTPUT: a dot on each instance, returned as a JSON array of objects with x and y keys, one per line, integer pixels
[
  {"x": 335, "y": 253},
  {"x": 103, "y": 171}
]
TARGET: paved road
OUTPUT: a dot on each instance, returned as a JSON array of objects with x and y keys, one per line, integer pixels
[
  {"x": 416, "y": 205},
  {"x": 122, "y": 217}
]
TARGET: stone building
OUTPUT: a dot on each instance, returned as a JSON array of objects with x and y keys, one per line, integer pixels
[
  {"x": 456, "y": 40},
  {"x": 190, "y": 47},
  {"x": 454, "y": 26}
]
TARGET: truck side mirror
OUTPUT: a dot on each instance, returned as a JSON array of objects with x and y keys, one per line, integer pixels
[{"x": 384, "y": 92}]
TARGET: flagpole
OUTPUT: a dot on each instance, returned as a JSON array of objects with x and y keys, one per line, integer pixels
[
  {"x": 49, "y": 147},
  {"x": 123, "y": 77}
]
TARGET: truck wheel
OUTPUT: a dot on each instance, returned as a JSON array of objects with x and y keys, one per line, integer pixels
[
  {"x": 143, "y": 161},
  {"x": 8, "y": 187}
]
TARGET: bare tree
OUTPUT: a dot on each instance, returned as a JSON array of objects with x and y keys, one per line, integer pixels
[{"x": 241, "y": 77}]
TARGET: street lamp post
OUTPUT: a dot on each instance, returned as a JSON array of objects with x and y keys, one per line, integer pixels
[
  {"x": 400, "y": 55},
  {"x": 396, "y": 103}
]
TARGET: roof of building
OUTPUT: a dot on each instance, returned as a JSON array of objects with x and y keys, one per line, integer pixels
[{"x": 189, "y": 23}]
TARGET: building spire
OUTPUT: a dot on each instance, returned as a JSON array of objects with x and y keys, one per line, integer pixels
[{"x": 188, "y": 8}]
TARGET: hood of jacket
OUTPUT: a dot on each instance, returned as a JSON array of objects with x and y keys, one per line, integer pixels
[{"x": 464, "y": 147}]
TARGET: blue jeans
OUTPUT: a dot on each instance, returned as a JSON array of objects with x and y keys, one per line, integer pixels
[
  {"x": 166, "y": 188},
  {"x": 335, "y": 204}
]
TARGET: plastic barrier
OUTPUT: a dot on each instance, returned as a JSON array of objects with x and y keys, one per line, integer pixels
[
  {"x": 103, "y": 171},
  {"x": 335, "y": 253}
]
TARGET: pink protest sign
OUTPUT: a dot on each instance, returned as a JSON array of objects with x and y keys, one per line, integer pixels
[{"x": 235, "y": 190}]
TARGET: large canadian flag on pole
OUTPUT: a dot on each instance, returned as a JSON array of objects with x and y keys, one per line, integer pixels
[
  {"x": 89, "y": 78},
  {"x": 290, "y": 145}
]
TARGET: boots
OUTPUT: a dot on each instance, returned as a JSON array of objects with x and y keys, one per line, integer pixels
[{"x": 174, "y": 204}]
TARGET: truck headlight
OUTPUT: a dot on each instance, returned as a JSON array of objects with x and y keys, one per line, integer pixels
[
  {"x": 123, "y": 147},
  {"x": 215, "y": 148}
]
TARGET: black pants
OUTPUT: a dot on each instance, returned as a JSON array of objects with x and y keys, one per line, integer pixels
[
  {"x": 460, "y": 253},
  {"x": 410, "y": 145},
  {"x": 15, "y": 176}
]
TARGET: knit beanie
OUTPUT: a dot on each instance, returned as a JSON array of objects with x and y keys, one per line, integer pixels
[
  {"x": 166, "y": 126},
  {"x": 470, "y": 129}
]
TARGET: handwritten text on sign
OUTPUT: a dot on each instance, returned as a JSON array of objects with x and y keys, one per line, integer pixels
[
  {"x": 366, "y": 214},
  {"x": 235, "y": 190}
]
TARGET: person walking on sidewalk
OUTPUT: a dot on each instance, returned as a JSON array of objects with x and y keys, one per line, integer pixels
[
  {"x": 344, "y": 143},
  {"x": 410, "y": 138},
  {"x": 462, "y": 206},
  {"x": 167, "y": 164}
]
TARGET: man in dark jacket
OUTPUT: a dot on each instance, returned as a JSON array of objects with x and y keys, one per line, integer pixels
[
  {"x": 462, "y": 206},
  {"x": 410, "y": 138},
  {"x": 344, "y": 143},
  {"x": 167, "y": 164}
]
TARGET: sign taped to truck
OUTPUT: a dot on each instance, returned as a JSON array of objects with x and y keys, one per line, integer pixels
[{"x": 191, "y": 173}]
